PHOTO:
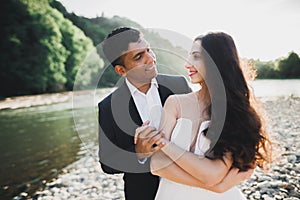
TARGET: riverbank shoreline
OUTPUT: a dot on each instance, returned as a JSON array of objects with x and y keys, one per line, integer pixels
[
  {"x": 84, "y": 178},
  {"x": 34, "y": 100},
  {"x": 263, "y": 88},
  {"x": 27, "y": 101}
]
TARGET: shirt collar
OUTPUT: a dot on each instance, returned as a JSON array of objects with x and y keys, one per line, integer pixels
[{"x": 133, "y": 89}]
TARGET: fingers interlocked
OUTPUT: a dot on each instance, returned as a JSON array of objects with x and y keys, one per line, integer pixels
[{"x": 147, "y": 140}]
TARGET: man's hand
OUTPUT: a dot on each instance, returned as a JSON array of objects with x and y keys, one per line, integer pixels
[{"x": 147, "y": 140}]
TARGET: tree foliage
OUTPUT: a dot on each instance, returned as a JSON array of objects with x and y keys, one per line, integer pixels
[
  {"x": 34, "y": 56},
  {"x": 283, "y": 68},
  {"x": 290, "y": 67},
  {"x": 41, "y": 50}
]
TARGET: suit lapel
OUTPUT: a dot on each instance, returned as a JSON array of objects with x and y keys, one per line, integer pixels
[
  {"x": 134, "y": 112},
  {"x": 163, "y": 91}
]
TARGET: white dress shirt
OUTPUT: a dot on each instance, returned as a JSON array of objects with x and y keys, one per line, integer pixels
[{"x": 148, "y": 105}]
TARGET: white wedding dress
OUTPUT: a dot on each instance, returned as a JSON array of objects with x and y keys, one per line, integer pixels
[{"x": 169, "y": 190}]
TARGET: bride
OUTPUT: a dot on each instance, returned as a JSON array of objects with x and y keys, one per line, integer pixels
[{"x": 194, "y": 155}]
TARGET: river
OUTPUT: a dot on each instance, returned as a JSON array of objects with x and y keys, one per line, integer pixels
[{"x": 38, "y": 142}]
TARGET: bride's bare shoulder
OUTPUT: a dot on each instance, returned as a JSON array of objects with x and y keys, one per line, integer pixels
[
  {"x": 183, "y": 97},
  {"x": 177, "y": 99}
]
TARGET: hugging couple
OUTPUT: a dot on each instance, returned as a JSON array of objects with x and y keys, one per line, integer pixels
[{"x": 169, "y": 142}]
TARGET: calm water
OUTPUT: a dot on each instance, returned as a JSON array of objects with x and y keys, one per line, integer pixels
[
  {"x": 36, "y": 143},
  {"x": 268, "y": 88}
]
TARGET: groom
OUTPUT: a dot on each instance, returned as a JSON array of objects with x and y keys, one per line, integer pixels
[{"x": 139, "y": 98}]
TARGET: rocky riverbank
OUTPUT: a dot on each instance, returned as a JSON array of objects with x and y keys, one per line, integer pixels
[
  {"x": 34, "y": 100},
  {"x": 84, "y": 179},
  {"x": 75, "y": 98}
]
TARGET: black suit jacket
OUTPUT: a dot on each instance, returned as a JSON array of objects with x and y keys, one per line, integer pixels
[{"x": 118, "y": 120}]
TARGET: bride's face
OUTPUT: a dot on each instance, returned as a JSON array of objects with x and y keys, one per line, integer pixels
[{"x": 195, "y": 63}]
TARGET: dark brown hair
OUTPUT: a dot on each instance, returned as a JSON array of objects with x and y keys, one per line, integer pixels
[
  {"x": 243, "y": 133},
  {"x": 117, "y": 42}
]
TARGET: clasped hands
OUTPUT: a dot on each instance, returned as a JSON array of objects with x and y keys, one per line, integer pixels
[{"x": 148, "y": 140}]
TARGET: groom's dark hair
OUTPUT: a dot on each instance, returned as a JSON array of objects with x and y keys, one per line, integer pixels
[{"x": 117, "y": 42}]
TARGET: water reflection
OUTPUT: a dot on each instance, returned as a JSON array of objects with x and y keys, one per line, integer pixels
[{"x": 36, "y": 143}]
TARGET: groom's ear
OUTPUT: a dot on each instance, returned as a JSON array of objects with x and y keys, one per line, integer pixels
[{"x": 120, "y": 69}]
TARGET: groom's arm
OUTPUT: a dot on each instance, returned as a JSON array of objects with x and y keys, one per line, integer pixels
[
  {"x": 106, "y": 140},
  {"x": 113, "y": 157}
]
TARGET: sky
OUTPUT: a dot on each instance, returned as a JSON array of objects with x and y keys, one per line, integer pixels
[{"x": 261, "y": 29}]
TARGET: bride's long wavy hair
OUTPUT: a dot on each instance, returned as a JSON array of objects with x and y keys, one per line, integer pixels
[{"x": 244, "y": 133}]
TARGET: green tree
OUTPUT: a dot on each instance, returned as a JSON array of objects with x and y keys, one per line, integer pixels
[
  {"x": 290, "y": 67},
  {"x": 266, "y": 70},
  {"x": 78, "y": 46},
  {"x": 41, "y": 51},
  {"x": 34, "y": 56},
  {"x": 94, "y": 31}
]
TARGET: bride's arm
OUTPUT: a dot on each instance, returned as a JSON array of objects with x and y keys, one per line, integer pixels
[
  {"x": 205, "y": 170},
  {"x": 165, "y": 167},
  {"x": 209, "y": 172}
]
